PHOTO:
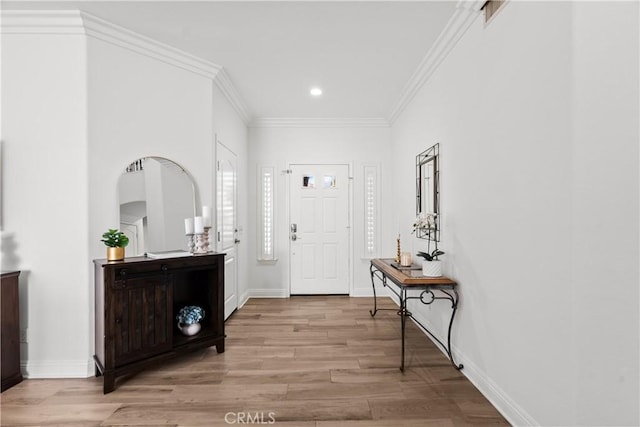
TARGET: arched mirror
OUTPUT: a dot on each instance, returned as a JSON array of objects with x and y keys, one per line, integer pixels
[
  {"x": 428, "y": 192},
  {"x": 155, "y": 196}
]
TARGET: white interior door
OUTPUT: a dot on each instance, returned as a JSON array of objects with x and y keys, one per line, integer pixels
[
  {"x": 131, "y": 231},
  {"x": 319, "y": 229},
  {"x": 226, "y": 226}
]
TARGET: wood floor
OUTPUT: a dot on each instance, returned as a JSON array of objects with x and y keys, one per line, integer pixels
[{"x": 303, "y": 361}]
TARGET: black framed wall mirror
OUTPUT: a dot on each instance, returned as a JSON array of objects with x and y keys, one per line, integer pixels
[{"x": 428, "y": 194}]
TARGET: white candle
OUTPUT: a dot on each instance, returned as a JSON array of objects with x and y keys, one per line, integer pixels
[
  {"x": 188, "y": 226},
  {"x": 198, "y": 224},
  {"x": 206, "y": 214},
  {"x": 405, "y": 259}
]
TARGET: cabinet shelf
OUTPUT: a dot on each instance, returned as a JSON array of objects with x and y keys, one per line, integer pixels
[{"x": 207, "y": 333}]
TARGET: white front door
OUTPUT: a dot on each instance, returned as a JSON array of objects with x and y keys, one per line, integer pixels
[
  {"x": 226, "y": 227},
  {"x": 319, "y": 229}
]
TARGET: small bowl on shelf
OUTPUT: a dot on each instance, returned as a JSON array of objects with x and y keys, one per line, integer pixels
[{"x": 189, "y": 330}]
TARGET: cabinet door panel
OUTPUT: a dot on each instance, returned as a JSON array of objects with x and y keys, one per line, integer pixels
[{"x": 143, "y": 324}]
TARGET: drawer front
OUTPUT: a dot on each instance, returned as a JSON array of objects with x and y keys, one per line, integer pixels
[{"x": 133, "y": 276}]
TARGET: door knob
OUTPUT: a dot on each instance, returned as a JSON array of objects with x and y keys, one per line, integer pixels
[
  {"x": 237, "y": 241},
  {"x": 294, "y": 237}
]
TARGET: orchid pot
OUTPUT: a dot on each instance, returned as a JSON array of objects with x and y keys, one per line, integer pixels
[{"x": 432, "y": 268}]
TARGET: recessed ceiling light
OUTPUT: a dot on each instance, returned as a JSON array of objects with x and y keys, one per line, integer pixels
[{"x": 315, "y": 91}]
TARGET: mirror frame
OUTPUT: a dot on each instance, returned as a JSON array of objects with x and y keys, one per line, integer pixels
[
  {"x": 431, "y": 154},
  {"x": 137, "y": 165}
]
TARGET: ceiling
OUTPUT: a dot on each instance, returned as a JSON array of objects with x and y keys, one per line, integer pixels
[{"x": 361, "y": 53}]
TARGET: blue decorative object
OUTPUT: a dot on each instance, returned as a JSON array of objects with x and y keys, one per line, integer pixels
[{"x": 190, "y": 314}]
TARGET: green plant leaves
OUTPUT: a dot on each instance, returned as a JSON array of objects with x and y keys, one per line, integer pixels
[
  {"x": 433, "y": 256},
  {"x": 114, "y": 238}
]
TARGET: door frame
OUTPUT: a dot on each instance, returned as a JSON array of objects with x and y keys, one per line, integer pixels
[
  {"x": 218, "y": 243},
  {"x": 285, "y": 231}
]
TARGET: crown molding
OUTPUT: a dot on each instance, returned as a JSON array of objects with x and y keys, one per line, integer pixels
[
  {"x": 143, "y": 45},
  {"x": 294, "y": 122},
  {"x": 464, "y": 15},
  {"x": 224, "y": 83},
  {"x": 119, "y": 36},
  {"x": 75, "y": 22},
  {"x": 58, "y": 22}
]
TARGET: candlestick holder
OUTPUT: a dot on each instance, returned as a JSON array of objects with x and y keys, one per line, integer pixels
[
  {"x": 398, "y": 250},
  {"x": 200, "y": 248},
  {"x": 207, "y": 239},
  {"x": 191, "y": 244}
]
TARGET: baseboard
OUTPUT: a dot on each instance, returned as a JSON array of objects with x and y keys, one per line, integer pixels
[
  {"x": 268, "y": 293},
  {"x": 362, "y": 292},
  {"x": 243, "y": 299},
  {"x": 57, "y": 369},
  {"x": 282, "y": 293},
  {"x": 509, "y": 409}
]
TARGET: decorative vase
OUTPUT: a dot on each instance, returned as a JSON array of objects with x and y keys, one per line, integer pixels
[
  {"x": 189, "y": 330},
  {"x": 431, "y": 268},
  {"x": 115, "y": 254}
]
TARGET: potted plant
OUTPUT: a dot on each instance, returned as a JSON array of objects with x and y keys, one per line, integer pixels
[
  {"x": 431, "y": 266},
  {"x": 189, "y": 318},
  {"x": 116, "y": 242}
]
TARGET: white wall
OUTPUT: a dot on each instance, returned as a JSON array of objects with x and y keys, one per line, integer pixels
[
  {"x": 139, "y": 106},
  {"x": 76, "y": 111},
  {"x": 279, "y": 146},
  {"x": 45, "y": 196},
  {"x": 605, "y": 191},
  {"x": 538, "y": 133}
]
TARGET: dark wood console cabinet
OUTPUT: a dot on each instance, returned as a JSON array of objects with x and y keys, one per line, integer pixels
[
  {"x": 10, "y": 330},
  {"x": 136, "y": 302}
]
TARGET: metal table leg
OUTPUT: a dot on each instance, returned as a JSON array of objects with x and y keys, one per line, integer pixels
[
  {"x": 403, "y": 320},
  {"x": 428, "y": 297},
  {"x": 375, "y": 302}
]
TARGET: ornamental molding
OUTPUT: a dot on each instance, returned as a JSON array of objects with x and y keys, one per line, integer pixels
[
  {"x": 301, "y": 122},
  {"x": 127, "y": 39},
  {"x": 226, "y": 86},
  {"x": 75, "y": 22},
  {"x": 464, "y": 15},
  {"x": 54, "y": 22}
]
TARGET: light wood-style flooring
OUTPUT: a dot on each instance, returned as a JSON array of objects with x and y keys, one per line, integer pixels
[{"x": 304, "y": 361}]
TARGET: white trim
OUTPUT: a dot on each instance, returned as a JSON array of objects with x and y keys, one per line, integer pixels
[
  {"x": 465, "y": 14},
  {"x": 57, "y": 368},
  {"x": 268, "y": 293},
  {"x": 350, "y": 237},
  {"x": 127, "y": 39},
  {"x": 295, "y": 122},
  {"x": 509, "y": 409},
  {"x": 514, "y": 413},
  {"x": 243, "y": 299},
  {"x": 75, "y": 22},
  {"x": 53, "y": 22},
  {"x": 363, "y": 292},
  {"x": 223, "y": 81}
]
